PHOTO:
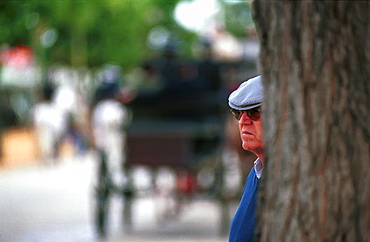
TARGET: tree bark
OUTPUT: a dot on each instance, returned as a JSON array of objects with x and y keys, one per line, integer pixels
[{"x": 315, "y": 65}]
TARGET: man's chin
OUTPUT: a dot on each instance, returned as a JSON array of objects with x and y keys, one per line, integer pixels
[{"x": 251, "y": 147}]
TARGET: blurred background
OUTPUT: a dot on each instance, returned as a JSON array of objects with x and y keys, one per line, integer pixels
[{"x": 114, "y": 122}]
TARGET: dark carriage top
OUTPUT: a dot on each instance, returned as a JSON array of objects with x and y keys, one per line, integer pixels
[{"x": 181, "y": 117}]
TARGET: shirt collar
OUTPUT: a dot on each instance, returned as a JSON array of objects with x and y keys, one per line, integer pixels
[{"x": 258, "y": 167}]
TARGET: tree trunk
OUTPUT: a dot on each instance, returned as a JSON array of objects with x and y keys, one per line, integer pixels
[{"x": 315, "y": 64}]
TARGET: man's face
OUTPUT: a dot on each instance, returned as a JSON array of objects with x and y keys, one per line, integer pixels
[{"x": 251, "y": 134}]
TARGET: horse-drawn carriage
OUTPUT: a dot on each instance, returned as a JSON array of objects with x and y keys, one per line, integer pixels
[{"x": 183, "y": 134}]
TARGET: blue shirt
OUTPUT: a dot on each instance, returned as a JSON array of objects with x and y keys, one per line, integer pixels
[{"x": 242, "y": 225}]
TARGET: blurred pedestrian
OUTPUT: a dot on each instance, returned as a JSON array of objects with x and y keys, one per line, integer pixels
[
  {"x": 245, "y": 103},
  {"x": 69, "y": 99},
  {"x": 109, "y": 118},
  {"x": 50, "y": 124}
]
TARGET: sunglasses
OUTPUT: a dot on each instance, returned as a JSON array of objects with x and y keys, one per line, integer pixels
[{"x": 254, "y": 113}]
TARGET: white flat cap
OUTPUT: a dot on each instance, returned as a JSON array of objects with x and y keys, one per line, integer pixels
[{"x": 248, "y": 95}]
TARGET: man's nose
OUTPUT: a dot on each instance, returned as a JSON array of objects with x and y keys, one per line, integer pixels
[{"x": 244, "y": 118}]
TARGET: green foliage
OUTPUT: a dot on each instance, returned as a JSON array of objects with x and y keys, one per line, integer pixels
[
  {"x": 12, "y": 23},
  {"x": 108, "y": 31},
  {"x": 96, "y": 32},
  {"x": 237, "y": 17}
]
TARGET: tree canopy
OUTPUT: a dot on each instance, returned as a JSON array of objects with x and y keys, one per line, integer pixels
[{"x": 91, "y": 33}]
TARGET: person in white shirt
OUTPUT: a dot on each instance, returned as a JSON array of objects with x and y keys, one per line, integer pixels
[
  {"x": 109, "y": 119},
  {"x": 50, "y": 124}
]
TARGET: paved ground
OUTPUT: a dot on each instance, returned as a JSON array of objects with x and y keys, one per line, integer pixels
[{"x": 55, "y": 203}]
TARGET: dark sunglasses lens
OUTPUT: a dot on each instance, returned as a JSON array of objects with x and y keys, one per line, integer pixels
[
  {"x": 236, "y": 113},
  {"x": 254, "y": 114}
]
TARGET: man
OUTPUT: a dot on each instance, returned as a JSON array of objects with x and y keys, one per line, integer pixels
[
  {"x": 245, "y": 103},
  {"x": 50, "y": 123},
  {"x": 109, "y": 118}
]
